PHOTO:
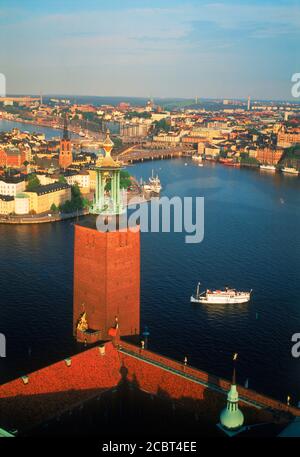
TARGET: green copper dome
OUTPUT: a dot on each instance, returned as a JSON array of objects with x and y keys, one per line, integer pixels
[{"x": 232, "y": 417}]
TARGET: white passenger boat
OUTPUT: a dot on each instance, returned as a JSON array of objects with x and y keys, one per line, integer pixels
[
  {"x": 155, "y": 184},
  {"x": 196, "y": 157},
  {"x": 264, "y": 167},
  {"x": 217, "y": 297},
  {"x": 290, "y": 170}
]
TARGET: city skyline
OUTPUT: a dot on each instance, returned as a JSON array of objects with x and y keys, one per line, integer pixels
[{"x": 160, "y": 49}]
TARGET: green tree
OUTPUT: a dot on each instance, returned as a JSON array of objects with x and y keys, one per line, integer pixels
[
  {"x": 62, "y": 179},
  {"x": 163, "y": 124},
  {"x": 53, "y": 208},
  {"x": 77, "y": 202},
  {"x": 125, "y": 179},
  {"x": 144, "y": 115},
  {"x": 33, "y": 183}
]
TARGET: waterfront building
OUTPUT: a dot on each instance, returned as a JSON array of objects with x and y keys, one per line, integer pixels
[
  {"x": 65, "y": 153},
  {"x": 269, "y": 156},
  {"x": 22, "y": 204},
  {"x": 171, "y": 138},
  {"x": 208, "y": 149},
  {"x": 11, "y": 185},
  {"x": 42, "y": 198},
  {"x": 7, "y": 204},
  {"x": 81, "y": 178}
]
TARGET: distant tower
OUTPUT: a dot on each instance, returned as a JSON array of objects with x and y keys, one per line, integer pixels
[
  {"x": 106, "y": 263},
  {"x": 232, "y": 418},
  {"x": 149, "y": 106},
  {"x": 249, "y": 103},
  {"x": 65, "y": 152}
]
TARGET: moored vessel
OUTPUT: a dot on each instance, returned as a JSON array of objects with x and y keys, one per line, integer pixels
[
  {"x": 220, "y": 297},
  {"x": 153, "y": 186},
  {"x": 265, "y": 167},
  {"x": 196, "y": 157},
  {"x": 154, "y": 183},
  {"x": 290, "y": 170}
]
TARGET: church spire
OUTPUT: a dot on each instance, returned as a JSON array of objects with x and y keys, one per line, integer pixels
[
  {"x": 65, "y": 152},
  {"x": 66, "y": 133},
  {"x": 232, "y": 418}
]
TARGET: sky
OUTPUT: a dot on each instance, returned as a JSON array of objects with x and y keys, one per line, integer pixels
[{"x": 157, "y": 48}]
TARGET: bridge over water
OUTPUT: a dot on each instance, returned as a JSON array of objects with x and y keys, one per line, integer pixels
[{"x": 138, "y": 154}]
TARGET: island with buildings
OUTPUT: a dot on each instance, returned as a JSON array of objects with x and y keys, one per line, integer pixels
[{"x": 47, "y": 179}]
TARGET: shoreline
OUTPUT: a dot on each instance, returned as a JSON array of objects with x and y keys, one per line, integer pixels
[
  {"x": 59, "y": 128},
  {"x": 25, "y": 220},
  {"x": 135, "y": 198}
]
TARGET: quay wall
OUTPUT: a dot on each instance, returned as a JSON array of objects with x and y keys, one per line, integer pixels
[{"x": 19, "y": 220}]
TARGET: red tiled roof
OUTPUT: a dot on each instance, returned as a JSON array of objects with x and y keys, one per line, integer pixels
[{"x": 57, "y": 387}]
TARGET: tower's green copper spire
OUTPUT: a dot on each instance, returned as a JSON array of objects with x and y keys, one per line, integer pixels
[
  {"x": 107, "y": 172},
  {"x": 232, "y": 418}
]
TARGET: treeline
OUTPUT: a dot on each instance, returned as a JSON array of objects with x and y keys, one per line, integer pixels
[{"x": 77, "y": 202}]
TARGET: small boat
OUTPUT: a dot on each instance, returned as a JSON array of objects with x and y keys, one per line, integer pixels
[
  {"x": 290, "y": 170},
  {"x": 220, "y": 297},
  {"x": 232, "y": 164},
  {"x": 154, "y": 183},
  {"x": 197, "y": 157},
  {"x": 265, "y": 167}
]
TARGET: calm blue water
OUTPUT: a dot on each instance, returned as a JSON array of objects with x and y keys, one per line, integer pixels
[
  {"x": 49, "y": 133},
  {"x": 251, "y": 241}
]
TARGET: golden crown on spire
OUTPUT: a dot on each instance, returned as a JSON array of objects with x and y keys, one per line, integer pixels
[{"x": 107, "y": 160}]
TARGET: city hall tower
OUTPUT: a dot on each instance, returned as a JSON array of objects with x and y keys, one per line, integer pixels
[{"x": 106, "y": 262}]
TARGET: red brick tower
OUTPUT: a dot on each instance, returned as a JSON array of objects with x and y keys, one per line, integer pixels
[
  {"x": 106, "y": 265},
  {"x": 106, "y": 283},
  {"x": 65, "y": 153}
]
